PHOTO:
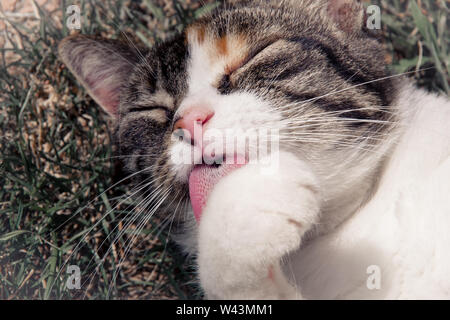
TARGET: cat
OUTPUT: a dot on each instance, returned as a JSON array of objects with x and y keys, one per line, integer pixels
[{"x": 358, "y": 206}]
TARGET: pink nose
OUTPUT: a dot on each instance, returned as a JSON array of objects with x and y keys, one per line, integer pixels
[{"x": 194, "y": 118}]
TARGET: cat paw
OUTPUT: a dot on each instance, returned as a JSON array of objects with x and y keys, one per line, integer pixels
[{"x": 251, "y": 221}]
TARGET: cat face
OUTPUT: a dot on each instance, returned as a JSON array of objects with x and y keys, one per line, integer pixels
[{"x": 307, "y": 70}]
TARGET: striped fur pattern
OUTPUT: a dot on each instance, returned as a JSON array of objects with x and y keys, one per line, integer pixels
[{"x": 292, "y": 56}]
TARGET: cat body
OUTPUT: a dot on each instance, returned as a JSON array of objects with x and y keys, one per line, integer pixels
[
  {"x": 357, "y": 206},
  {"x": 402, "y": 229},
  {"x": 399, "y": 236}
]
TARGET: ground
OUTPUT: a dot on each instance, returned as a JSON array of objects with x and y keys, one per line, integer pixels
[{"x": 58, "y": 202}]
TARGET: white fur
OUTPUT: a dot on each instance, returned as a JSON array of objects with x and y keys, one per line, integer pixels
[
  {"x": 253, "y": 225},
  {"x": 404, "y": 229}
]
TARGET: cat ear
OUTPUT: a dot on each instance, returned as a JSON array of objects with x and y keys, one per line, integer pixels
[
  {"x": 101, "y": 66},
  {"x": 347, "y": 14}
]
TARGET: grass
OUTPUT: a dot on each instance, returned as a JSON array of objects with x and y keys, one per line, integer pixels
[
  {"x": 57, "y": 207},
  {"x": 417, "y": 38}
]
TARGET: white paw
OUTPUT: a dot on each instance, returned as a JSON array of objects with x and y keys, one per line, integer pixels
[{"x": 250, "y": 222}]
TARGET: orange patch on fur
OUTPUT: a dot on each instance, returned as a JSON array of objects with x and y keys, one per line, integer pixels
[
  {"x": 221, "y": 46},
  {"x": 197, "y": 32},
  {"x": 201, "y": 34},
  {"x": 230, "y": 50}
]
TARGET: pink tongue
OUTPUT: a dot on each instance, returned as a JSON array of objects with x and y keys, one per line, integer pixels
[{"x": 201, "y": 182}]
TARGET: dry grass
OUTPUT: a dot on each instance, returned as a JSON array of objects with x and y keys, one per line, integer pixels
[{"x": 56, "y": 165}]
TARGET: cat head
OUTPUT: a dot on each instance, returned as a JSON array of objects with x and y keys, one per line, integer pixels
[{"x": 307, "y": 69}]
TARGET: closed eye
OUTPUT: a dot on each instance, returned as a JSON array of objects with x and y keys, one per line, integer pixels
[
  {"x": 148, "y": 108},
  {"x": 253, "y": 53},
  {"x": 224, "y": 86}
]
